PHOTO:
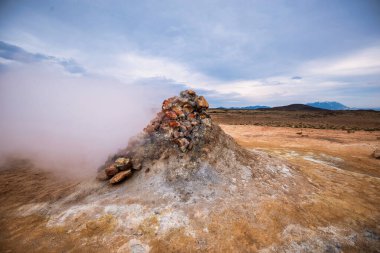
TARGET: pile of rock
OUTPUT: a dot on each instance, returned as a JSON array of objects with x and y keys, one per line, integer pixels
[
  {"x": 117, "y": 171},
  {"x": 180, "y": 118},
  {"x": 182, "y": 121}
]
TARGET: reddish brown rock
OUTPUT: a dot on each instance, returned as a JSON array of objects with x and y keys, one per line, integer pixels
[
  {"x": 178, "y": 111},
  {"x": 188, "y": 108},
  {"x": 188, "y": 93},
  {"x": 166, "y": 105},
  {"x": 194, "y": 123},
  {"x": 174, "y": 124},
  {"x": 171, "y": 115},
  {"x": 120, "y": 176},
  {"x": 123, "y": 163},
  {"x": 191, "y": 116},
  {"x": 191, "y": 92},
  {"x": 201, "y": 102},
  {"x": 111, "y": 170},
  {"x": 181, "y": 101}
]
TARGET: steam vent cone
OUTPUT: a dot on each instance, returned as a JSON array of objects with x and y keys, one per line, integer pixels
[
  {"x": 183, "y": 185},
  {"x": 184, "y": 143},
  {"x": 183, "y": 150}
]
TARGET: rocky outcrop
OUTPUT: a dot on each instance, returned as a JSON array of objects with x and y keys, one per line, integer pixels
[{"x": 182, "y": 126}]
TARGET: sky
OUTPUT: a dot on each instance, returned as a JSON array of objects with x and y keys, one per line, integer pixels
[{"x": 236, "y": 53}]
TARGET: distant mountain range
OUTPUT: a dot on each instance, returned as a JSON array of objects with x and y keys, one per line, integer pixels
[
  {"x": 332, "y": 105},
  {"x": 252, "y": 107},
  {"x": 296, "y": 107},
  {"x": 328, "y": 105}
]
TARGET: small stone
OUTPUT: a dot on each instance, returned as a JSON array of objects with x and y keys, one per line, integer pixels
[
  {"x": 120, "y": 176},
  {"x": 376, "y": 154},
  {"x": 206, "y": 122},
  {"x": 178, "y": 111},
  {"x": 171, "y": 115},
  {"x": 182, "y": 128},
  {"x": 123, "y": 163},
  {"x": 167, "y": 131},
  {"x": 203, "y": 116},
  {"x": 202, "y": 102},
  {"x": 181, "y": 101},
  {"x": 191, "y": 116},
  {"x": 176, "y": 135},
  {"x": 166, "y": 105},
  {"x": 186, "y": 124},
  {"x": 174, "y": 124},
  {"x": 182, "y": 144},
  {"x": 187, "y": 93},
  {"x": 191, "y": 92},
  {"x": 111, "y": 170},
  {"x": 187, "y": 108}
]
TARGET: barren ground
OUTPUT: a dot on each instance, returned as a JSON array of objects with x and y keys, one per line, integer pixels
[
  {"x": 339, "y": 212},
  {"x": 345, "y": 120}
]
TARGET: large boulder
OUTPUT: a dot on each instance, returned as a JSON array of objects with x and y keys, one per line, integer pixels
[{"x": 120, "y": 176}]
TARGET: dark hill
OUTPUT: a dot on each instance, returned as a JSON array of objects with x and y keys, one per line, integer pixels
[
  {"x": 295, "y": 107},
  {"x": 329, "y": 105}
]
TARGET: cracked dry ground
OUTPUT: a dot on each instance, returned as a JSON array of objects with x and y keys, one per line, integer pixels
[{"x": 335, "y": 209}]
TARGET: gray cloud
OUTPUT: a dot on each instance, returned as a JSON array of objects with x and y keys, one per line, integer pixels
[{"x": 15, "y": 53}]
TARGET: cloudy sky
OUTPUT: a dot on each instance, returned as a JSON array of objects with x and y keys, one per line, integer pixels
[{"x": 237, "y": 53}]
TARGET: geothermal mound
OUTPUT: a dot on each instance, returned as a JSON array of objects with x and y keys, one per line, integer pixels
[
  {"x": 183, "y": 138},
  {"x": 183, "y": 185}
]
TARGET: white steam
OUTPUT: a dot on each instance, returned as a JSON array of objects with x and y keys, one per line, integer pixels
[{"x": 68, "y": 123}]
